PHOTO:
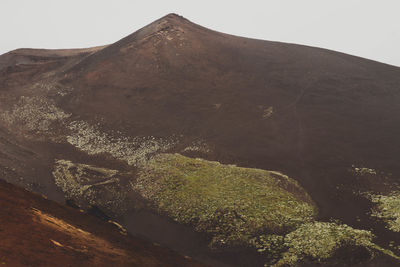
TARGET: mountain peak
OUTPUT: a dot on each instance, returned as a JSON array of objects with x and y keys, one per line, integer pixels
[
  {"x": 171, "y": 19},
  {"x": 173, "y": 16},
  {"x": 162, "y": 25}
]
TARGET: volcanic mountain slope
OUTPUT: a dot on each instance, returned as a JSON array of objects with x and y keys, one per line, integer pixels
[
  {"x": 147, "y": 129},
  {"x": 35, "y": 231}
]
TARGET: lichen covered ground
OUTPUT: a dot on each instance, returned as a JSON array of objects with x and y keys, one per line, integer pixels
[
  {"x": 320, "y": 241},
  {"x": 265, "y": 210},
  {"x": 232, "y": 203},
  {"x": 388, "y": 209},
  {"x": 134, "y": 151},
  {"x": 384, "y": 194},
  {"x": 88, "y": 185}
]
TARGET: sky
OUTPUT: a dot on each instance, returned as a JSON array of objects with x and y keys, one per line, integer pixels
[{"x": 366, "y": 28}]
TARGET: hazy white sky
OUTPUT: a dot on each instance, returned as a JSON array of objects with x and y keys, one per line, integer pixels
[{"x": 367, "y": 28}]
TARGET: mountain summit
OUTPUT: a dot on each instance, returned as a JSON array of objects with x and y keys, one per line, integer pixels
[{"x": 197, "y": 139}]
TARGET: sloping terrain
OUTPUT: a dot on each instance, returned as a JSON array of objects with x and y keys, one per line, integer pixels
[
  {"x": 120, "y": 127},
  {"x": 35, "y": 231}
]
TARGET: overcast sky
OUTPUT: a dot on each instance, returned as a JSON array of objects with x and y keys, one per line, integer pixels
[{"x": 367, "y": 28}]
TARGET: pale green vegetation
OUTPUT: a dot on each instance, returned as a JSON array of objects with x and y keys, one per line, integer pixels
[
  {"x": 198, "y": 146},
  {"x": 320, "y": 240},
  {"x": 363, "y": 171},
  {"x": 388, "y": 209},
  {"x": 34, "y": 114},
  {"x": 267, "y": 113},
  {"x": 317, "y": 241},
  {"x": 75, "y": 178},
  {"x": 237, "y": 206},
  {"x": 387, "y": 205},
  {"x": 134, "y": 151},
  {"x": 232, "y": 203},
  {"x": 262, "y": 209},
  {"x": 91, "y": 185}
]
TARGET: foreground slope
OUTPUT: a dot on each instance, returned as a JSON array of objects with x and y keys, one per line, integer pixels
[
  {"x": 37, "y": 232},
  {"x": 92, "y": 126}
]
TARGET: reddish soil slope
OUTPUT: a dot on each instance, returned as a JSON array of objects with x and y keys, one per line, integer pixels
[{"x": 35, "y": 231}]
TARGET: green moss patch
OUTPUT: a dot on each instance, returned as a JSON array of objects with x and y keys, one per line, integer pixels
[
  {"x": 231, "y": 203},
  {"x": 320, "y": 240},
  {"x": 262, "y": 209},
  {"x": 315, "y": 241},
  {"x": 89, "y": 185},
  {"x": 388, "y": 209}
]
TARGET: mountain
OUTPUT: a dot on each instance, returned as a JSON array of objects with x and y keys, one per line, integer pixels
[{"x": 212, "y": 144}]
